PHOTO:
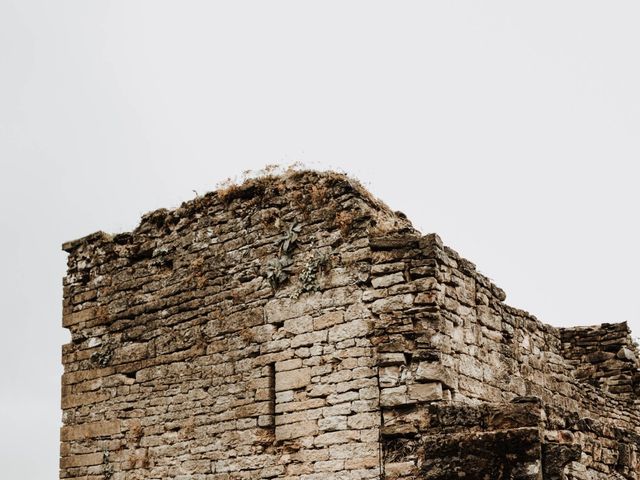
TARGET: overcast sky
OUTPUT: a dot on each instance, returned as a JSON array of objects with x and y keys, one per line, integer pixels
[{"x": 509, "y": 128}]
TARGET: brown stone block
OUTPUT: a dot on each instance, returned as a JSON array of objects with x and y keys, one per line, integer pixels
[
  {"x": 295, "y": 430},
  {"x": 90, "y": 430},
  {"x": 390, "y": 304},
  {"x": 79, "y": 316},
  {"x": 362, "y": 421},
  {"x": 298, "y": 406},
  {"x": 307, "y": 339},
  {"x": 81, "y": 460},
  {"x": 399, "y": 469},
  {"x": 391, "y": 397},
  {"x": 430, "y": 298},
  {"x": 328, "y": 320},
  {"x": 386, "y": 359},
  {"x": 393, "y": 242},
  {"x": 85, "y": 296},
  {"x": 387, "y": 280},
  {"x": 435, "y": 371},
  {"x": 291, "y": 364},
  {"x": 253, "y": 409},
  {"x": 130, "y": 353},
  {"x": 425, "y": 392},
  {"x": 389, "y": 376},
  {"x": 292, "y": 379},
  {"x": 70, "y": 401},
  {"x": 353, "y": 329},
  {"x": 299, "y": 325},
  {"x": 341, "y": 436},
  {"x": 69, "y": 378}
]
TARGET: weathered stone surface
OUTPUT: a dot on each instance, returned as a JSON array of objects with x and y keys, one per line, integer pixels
[
  {"x": 387, "y": 280},
  {"x": 510, "y": 454},
  {"x": 394, "y": 396},
  {"x": 293, "y": 327},
  {"x": 425, "y": 392},
  {"x": 90, "y": 430},
  {"x": 430, "y": 371},
  {"x": 296, "y": 430},
  {"x": 292, "y": 379}
]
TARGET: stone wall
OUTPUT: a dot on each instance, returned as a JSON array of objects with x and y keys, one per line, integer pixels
[
  {"x": 225, "y": 339},
  {"x": 294, "y": 327},
  {"x": 443, "y": 333},
  {"x": 604, "y": 356}
]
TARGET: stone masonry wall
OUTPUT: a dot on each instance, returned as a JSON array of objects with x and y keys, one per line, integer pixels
[
  {"x": 604, "y": 356},
  {"x": 444, "y": 334},
  {"x": 294, "y": 327},
  {"x": 225, "y": 339}
]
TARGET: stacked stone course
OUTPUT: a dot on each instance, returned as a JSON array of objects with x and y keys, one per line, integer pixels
[{"x": 294, "y": 327}]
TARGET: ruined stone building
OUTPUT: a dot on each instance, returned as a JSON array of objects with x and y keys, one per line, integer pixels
[{"x": 294, "y": 327}]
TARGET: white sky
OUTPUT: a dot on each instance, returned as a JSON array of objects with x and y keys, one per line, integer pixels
[{"x": 509, "y": 128}]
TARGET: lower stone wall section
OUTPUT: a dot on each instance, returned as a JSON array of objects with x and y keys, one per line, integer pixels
[{"x": 523, "y": 439}]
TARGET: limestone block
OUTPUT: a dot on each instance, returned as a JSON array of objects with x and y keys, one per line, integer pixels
[
  {"x": 341, "y": 436},
  {"x": 284, "y": 396},
  {"x": 339, "y": 409},
  {"x": 265, "y": 420},
  {"x": 296, "y": 406},
  {"x": 387, "y": 280},
  {"x": 387, "y": 268},
  {"x": 306, "y": 339},
  {"x": 329, "y": 466},
  {"x": 299, "y": 416},
  {"x": 337, "y": 422},
  {"x": 627, "y": 355},
  {"x": 292, "y": 379},
  {"x": 368, "y": 393},
  {"x": 299, "y": 325},
  {"x": 280, "y": 309},
  {"x": 391, "y": 397},
  {"x": 342, "y": 397},
  {"x": 385, "y": 359},
  {"x": 89, "y": 398},
  {"x": 427, "y": 284},
  {"x": 295, "y": 430},
  {"x": 430, "y": 371},
  {"x": 362, "y": 421},
  {"x": 253, "y": 409},
  {"x": 357, "y": 384},
  {"x": 79, "y": 316},
  {"x": 399, "y": 469},
  {"x": 390, "y": 304},
  {"x": 90, "y": 430},
  {"x": 389, "y": 376},
  {"x": 372, "y": 294},
  {"x": 362, "y": 463},
  {"x": 81, "y": 460},
  {"x": 355, "y": 328},
  {"x": 471, "y": 367},
  {"x": 427, "y": 298},
  {"x": 328, "y": 320},
  {"x": 291, "y": 364},
  {"x": 322, "y": 390},
  {"x": 425, "y": 392}
]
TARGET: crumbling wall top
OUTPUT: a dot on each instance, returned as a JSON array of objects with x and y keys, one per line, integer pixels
[{"x": 319, "y": 187}]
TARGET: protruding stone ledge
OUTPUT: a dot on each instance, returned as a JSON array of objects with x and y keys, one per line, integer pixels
[{"x": 72, "y": 245}]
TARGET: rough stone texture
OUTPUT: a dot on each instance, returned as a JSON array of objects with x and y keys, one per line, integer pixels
[{"x": 294, "y": 327}]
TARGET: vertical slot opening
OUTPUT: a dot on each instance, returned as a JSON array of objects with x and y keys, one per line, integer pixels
[{"x": 271, "y": 372}]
